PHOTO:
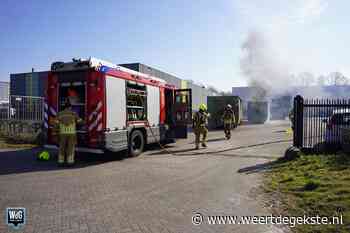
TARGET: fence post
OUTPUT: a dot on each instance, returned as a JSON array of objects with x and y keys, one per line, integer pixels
[{"x": 298, "y": 110}]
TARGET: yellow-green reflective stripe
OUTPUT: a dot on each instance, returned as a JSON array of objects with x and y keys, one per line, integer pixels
[{"x": 69, "y": 129}]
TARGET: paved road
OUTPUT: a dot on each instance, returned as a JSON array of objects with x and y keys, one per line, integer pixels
[{"x": 156, "y": 192}]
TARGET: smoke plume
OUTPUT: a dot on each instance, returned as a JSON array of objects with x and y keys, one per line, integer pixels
[{"x": 261, "y": 66}]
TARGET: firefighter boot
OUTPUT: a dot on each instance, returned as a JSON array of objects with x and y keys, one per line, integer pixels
[{"x": 228, "y": 135}]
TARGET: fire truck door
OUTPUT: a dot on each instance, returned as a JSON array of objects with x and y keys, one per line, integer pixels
[{"x": 182, "y": 109}]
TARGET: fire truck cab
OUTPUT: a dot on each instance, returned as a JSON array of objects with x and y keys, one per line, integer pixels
[{"x": 122, "y": 109}]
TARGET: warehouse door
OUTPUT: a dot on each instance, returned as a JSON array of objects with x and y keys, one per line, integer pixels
[{"x": 183, "y": 112}]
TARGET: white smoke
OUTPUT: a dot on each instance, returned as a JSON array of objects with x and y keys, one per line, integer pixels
[
  {"x": 264, "y": 70},
  {"x": 269, "y": 55},
  {"x": 260, "y": 64}
]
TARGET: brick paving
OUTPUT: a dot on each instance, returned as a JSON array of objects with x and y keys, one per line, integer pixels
[{"x": 154, "y": 193}]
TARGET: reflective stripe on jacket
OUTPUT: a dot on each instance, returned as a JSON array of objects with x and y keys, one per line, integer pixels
[
  {"x": 68, "y": 129},
  {"x": 67, "y": 121}
]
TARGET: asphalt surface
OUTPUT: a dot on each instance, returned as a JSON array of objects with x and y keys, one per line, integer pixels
[{"x": 156, "y": 192}]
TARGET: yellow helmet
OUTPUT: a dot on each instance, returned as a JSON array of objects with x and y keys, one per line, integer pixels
[
  {"x": 44, "y": 155},
  {"x": 203, "y": 107}
]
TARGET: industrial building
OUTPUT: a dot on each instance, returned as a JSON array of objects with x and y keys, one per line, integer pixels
[
  {"x": 28, "y": 84},
  {"x": 199, "y": 92},
  {"x": 4, "y": 91}
]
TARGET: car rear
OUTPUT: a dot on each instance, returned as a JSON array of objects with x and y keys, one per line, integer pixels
[{"x": 334, "y": 126}]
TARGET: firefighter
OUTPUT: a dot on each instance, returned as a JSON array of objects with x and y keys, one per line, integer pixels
[
  {"x": 73, "y": 96},
  {"x": 229, "y": 120},
  {"x": 67, "y": 120},
  {"x": 200, "y": 121}
]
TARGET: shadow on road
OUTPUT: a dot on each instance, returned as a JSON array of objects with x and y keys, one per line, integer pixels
[
  {"x": 21, "y": 161},
  {"x": 249, "y": 156},
  {"x": 213, "y": 140},
  {"x": 279, "y": 131},
  {"x": 262, "y": 167},
  {"x": 216, "y": 139},
  {"x": 167, "y": 150}
]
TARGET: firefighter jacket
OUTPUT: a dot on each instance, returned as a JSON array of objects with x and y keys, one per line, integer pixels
[
  {"x": 229, "y": 116},
  {"x": 200, "y": 119},
  {"x": 67, "y": 120}
]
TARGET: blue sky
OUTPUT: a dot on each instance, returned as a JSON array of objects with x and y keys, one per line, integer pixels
[{"x": 199, "y": 40}]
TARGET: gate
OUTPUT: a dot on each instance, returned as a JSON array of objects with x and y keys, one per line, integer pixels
[{"x": 319, "y": 122}]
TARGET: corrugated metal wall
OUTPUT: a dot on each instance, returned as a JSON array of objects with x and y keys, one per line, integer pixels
[
  {"x": 17, "y": 84},
  {"x": 160, "y": 74},
  {"x": 28, "y": 84}
]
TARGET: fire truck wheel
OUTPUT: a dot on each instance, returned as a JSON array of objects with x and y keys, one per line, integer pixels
[{"x": 136, "y": 143}]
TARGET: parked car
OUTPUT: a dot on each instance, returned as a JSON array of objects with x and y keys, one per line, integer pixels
[{"x": 339, "y": 120}]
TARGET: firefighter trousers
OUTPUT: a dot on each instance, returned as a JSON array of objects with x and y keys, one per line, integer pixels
[
  {"x": 227, "y": 130},
  {"x": 198, "y": 132},
  {"x": 67, "y": 148}
]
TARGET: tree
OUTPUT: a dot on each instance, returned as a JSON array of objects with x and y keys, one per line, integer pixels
[
  {"x": 337, "y": 78},
  {"x": 321, "y": 80},
  {"x": 306, "y": 79}
]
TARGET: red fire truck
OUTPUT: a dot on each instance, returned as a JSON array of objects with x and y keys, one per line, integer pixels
[{"x": 122, "y": 109}]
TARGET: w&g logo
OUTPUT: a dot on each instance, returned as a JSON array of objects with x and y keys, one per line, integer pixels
[{"x": 16, "y": 217}]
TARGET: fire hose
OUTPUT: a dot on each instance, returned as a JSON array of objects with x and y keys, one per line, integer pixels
[{"x": 162, "y": 147}]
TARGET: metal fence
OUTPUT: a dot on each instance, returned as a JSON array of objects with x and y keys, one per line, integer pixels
[
  {"x": 320, "y": 122},
  {"x": 26, "y": 108},
  {"x": 4, "y": 111},
  {"x": 22, "y": 118}
]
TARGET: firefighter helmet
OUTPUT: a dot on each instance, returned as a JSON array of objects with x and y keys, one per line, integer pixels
[
  {"x": 44, "y": 156},
  {"x": 203, "y": 107}
]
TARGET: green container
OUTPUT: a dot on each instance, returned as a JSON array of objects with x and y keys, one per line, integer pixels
[
  {"x": 257, "y": 112},
  {"x": 216, "y": 106}
]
